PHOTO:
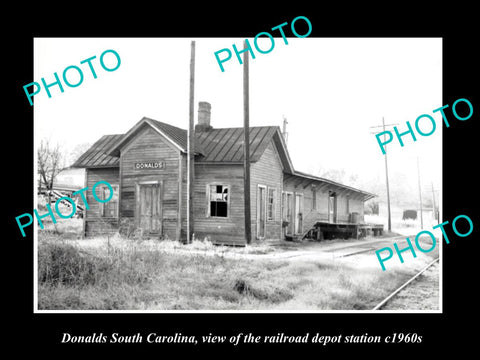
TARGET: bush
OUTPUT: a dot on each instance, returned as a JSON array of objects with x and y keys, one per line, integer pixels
[
  {"x": 372, "y": 208},
  {"x": 263, "y": 292},
  {"x": 63, "y": 263},
  {"x": 128, "y": 230}
]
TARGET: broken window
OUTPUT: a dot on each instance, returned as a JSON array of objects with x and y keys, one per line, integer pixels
[{"x": 218, "y": 200}]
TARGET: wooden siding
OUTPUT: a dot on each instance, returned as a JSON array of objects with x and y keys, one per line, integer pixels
[
  {"x": 149, "y": 145},
  {"x": 220, "y": 163},
  {"x": 267, "y": 171},
  {"x": 320, "y": 213},
  {"x": 229, "y": 230},
  {"x": 94, "y": 223}
]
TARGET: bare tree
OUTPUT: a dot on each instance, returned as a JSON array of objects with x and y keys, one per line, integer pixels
[
  {"x": 77, "y": 151},
  {"x": 50, "y": 162}
]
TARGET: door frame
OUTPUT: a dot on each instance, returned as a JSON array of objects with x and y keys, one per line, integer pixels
[
  {"x": 138, "y": 184},
  {"x": 332, "y": 207},
  {"x": 264, "y": 187},
  {"x": 298, "y": 224},
  {"x": 285, "y": 206}
]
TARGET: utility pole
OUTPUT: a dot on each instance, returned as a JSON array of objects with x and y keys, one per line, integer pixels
[
  {"x": 435, "y": 215},
  {"x": 285, "y": 134},
  {"x": 386, "y": 172},
  {"x": 191, "y": 148},
  {"x": 246, "y": 149},
  {"x": 420, "y": 193}
]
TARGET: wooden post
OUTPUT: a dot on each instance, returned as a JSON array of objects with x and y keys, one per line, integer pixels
[
  {"x": 435, "y": 217},
  {"x": 84, "y": 219},
  {"x": 386, "y": 175},
  {"x": 386, "y": 171},
  {"x": 420, "y": 193},
  {"x": 246, "y": 149},
  {"x": 191, "y": 149},
  {"x": 285, "y": 135},
  {"x": 178, "y": 233}
]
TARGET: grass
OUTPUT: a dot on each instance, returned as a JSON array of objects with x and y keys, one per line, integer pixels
[{"x": 119, "y": 274}]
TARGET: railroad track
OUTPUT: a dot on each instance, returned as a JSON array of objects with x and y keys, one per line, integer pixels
[{"x": 393, "y": 294}]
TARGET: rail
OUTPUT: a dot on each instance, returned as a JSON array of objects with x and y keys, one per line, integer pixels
[{"x": 389, "y": 297}]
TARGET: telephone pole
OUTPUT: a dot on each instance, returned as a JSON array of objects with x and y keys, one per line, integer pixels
[
  {"x": 191, "y": 147},
  {"x": 420, "y": 193},
  {"x": 435, "y": 214},
  {"x": 285, "y": 134},
  {"x": 246, "y": 149},
  {"x": 386, "y": 171}
]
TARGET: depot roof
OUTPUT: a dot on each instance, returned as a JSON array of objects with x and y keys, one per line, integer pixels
[{"x": 224, "y": 145}]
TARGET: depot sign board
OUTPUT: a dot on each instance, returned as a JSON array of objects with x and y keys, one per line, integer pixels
[{"x": 154, "y": 165}]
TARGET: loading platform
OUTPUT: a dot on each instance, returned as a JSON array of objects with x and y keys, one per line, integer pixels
[{"x": 326, "y": 230}]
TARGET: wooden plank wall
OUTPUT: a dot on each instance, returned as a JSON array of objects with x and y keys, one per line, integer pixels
[
  {"x": 149, "y": 145},
  {"x": 311, "y": 215},
  {"x": 267, "y": 171},
  {"x": 94, "y": 224},
  {"x": 228, "y": 230}
]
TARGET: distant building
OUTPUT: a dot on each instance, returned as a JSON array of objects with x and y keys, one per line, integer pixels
[{"x": 69, "y": 180}]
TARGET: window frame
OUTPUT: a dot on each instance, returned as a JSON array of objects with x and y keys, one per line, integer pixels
[
  {"x": 208, "y": 201},
  {"x": 105, "y": 205}
]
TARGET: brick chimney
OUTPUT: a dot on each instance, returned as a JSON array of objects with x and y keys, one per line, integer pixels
[{"x": 203, "y": 116}]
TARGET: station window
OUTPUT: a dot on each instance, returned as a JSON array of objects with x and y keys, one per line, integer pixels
[
  {"x": 218, "y": 199},
  {"x": 108, "y": 209}
]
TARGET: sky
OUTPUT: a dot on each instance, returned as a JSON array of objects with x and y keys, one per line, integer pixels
[{"x": 330, "y": 90}]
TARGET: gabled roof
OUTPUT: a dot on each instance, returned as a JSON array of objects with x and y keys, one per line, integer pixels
[
  {"x": 212, "y": 146},
  {"x": 176, "y": 136}
]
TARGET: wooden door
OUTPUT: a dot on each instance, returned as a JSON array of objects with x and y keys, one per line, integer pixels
[
  {"x": 288, "y": 212},
  {"x": 149, "y": 208},
  {"x": 298, "y": 214},
  {"x": 332, "y": 208},
  {"x": 261, "y": 211}
]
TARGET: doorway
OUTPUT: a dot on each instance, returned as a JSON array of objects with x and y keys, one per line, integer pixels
[
  {"x": 298, "y": 214},
  {"x": 149, "y": 207},
  {"x": 332, "y": 207},
  {"x": 261, "y": 211},
  {"x": 287, "y": 212}
]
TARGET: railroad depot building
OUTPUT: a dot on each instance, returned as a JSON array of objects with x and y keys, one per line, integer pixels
[{"x": 147, "y": 168}]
